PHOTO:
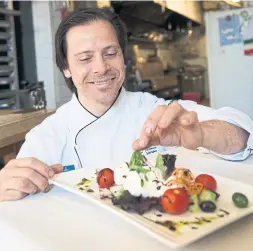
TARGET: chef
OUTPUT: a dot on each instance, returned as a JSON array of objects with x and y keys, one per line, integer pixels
[{"x": 103, "y": 123}]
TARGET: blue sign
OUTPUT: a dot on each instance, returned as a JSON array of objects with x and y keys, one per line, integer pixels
[{"x": 229, "y": 29}]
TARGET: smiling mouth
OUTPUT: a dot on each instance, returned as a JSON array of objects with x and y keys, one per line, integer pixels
[{"x": 103, "y": 81}]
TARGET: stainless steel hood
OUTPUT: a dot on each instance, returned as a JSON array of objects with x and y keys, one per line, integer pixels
[
  {"x": 189, "y": 9},
  {"x": 146, "y": 16}
]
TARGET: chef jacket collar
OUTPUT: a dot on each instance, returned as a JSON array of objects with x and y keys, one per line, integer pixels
[{"x": 80, "y": 117}]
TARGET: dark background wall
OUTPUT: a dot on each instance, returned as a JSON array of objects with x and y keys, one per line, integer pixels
[{"x": 25, "y": 42}]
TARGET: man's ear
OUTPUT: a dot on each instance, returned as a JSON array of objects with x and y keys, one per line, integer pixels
[{"x": 67, "y": 73}]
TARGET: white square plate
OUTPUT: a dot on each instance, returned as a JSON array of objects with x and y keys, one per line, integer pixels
[{"x": 188, "y": 233}]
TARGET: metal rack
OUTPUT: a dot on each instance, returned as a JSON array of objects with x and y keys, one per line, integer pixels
[{"x": 9, "y": 82}]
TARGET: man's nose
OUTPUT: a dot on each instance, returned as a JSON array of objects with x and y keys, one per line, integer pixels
[{"x": 100, "y": 66}]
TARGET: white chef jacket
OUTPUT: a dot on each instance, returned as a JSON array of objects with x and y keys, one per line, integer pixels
[{"x": 74, "y": 136}]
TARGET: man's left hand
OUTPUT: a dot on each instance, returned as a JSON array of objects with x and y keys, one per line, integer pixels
[{"x": 170, "y": 125}]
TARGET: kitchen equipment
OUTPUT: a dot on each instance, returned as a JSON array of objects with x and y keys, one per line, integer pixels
[
  {"x": 193, "y": 79},
  {"x": 163, "y": 85},
  {"x": 30, "y": 96},
  {"x": 194, "y": 96},
  {"x": 33, "y": 96},
  {"x": 7, "y": 103}
]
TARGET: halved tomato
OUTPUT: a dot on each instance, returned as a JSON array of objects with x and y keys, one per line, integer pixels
[
  {"x": 105, "y": 178},
  {"x": 175, "y": 201},
  {"x": 207, "y": 181}
]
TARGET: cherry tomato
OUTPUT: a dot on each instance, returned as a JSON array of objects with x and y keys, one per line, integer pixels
[
  {"x": 105, "y": 178},
  {"x": 175, "y": 201},
  {"x": 207, "y": 181}
]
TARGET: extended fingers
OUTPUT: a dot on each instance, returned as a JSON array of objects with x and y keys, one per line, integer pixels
[
  {"x": 35, "y": 164},
  {"x": 23, "y": 185},
  {"x": 21, "y": 177},
  {"x": 149, "y": 128},
  {"x": 176, "y": 113},
  {"x": 172, "y": 112},
  {"x": 27, "y": 173},
  {"x": 58, "y": 168},
  {"x": 153, "y": 120}
]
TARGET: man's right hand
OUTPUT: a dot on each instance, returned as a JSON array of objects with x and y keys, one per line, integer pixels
[{"x": 21, "y": 177}]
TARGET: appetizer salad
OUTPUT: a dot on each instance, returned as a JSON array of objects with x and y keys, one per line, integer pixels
[{"x": 139, "y": 186}]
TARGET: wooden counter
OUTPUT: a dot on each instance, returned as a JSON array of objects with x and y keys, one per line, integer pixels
[{"x": 14, "y": 127}]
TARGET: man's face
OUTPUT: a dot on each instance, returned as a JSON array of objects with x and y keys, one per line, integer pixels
[{"x": 95, "y": 61}]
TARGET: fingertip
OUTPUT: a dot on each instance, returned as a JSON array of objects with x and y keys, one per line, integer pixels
[
  {"x": 135, "y": 145},
  {"x": 57, "y": 168},
  {"x": 139, "y": 144},
  {"x": 142, "y": 143}
]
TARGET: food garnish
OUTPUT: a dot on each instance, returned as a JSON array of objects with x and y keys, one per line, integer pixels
[
  {"x": 83, "y": 182},
  {"x": 184, "y": 177},
  {"x": 240, "y": 200}
]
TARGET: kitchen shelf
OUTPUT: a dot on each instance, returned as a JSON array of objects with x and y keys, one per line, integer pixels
[
  {"x": 9, "y": 11},
  {"x": 9, "y": 81},
  {"x": 6, "y": 59},
  {"x": 7, "y": 94},
  {"x": 4, "y": 24},
  {"x": 3, "y": 48}
]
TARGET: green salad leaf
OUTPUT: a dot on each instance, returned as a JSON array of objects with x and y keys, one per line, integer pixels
[
  {"x": 136, "y": 159},
  {"x": 136, "y": 163},
  {"x": 160, "y": 164},
  {"x": 166, "y": 163}
]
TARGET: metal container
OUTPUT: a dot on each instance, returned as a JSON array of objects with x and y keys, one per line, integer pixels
[
  {"x": 7, "y": 103},
  {"x": 33, "y": 96}
]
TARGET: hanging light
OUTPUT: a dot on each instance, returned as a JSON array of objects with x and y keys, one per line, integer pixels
[
  {"x": 169, "y": 26},
  {"x": 189, "y": 26},
  {"x": 103, "y": 4}
]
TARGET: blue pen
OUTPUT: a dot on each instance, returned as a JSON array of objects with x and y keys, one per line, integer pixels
[{"x": 68, "y": 168}]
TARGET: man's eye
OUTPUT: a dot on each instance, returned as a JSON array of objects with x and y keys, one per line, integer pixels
[
  {"x": 84, "y": 59},
  {"x": 111, "y": 54}
]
